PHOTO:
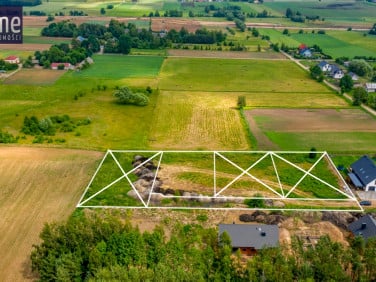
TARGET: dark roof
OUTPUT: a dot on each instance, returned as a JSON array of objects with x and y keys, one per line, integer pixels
[
  {"x": 365, "y": 170},
  {"x": 251, "y": 235},
  {"x": 323, "y": 64},
  {"x": 355, "y": 180},
  {"x": 365, "y": 227}
]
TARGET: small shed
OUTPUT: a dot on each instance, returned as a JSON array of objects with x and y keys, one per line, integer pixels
[
  {"x": 248, "y": 238},
  {"x": 364, "y": 227}
]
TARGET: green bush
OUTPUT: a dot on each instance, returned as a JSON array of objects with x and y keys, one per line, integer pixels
[
  {"x": 126, "y": 96},
  {"x": 6, "y": 137}
]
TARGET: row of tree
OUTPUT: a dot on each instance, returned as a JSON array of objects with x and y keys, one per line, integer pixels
[
  {"x": 120, "y": 37},
  {"x": 105, "y": 247}
]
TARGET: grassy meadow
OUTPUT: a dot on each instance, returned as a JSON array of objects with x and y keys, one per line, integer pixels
[
  {"x": 335, "y": 43},
  {"x": 192, "y": 74},
  {"x": 331, "y": 10}
]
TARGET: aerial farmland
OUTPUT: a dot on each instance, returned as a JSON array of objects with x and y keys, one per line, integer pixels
[{"x": 103, "y": 89}]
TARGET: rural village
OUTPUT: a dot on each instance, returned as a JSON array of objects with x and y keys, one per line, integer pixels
[{"x": 175, "y": 140}]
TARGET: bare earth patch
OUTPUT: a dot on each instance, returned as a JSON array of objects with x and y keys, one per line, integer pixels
[
  {"x": 37, "y": 185},
  {"x": 34, "y": 77},
  {"x": 225, "y": 54}
]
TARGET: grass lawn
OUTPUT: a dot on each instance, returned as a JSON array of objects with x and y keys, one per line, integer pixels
[
  {"x": 112, "y": 126},
  {"x": 276, "y": 36},
  {"x": 120, "y": 66},
  {"x": 353, "y": 11},
  {"x": 356, "y": 38},
  {"x": 350, "y": 142},
  {"x": 335, "y": 47},
  {"x": 192, "y": 74}
]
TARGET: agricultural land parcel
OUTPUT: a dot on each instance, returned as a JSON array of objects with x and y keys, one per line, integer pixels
[
  {"x": 38, "y": 185},
  {"x": 344, "y": 12},
  {"x": 116, "y": 126}
]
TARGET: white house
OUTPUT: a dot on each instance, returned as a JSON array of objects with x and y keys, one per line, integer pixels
[
  {"x": 324, "y": 66},
  {"x": 363, "y": 174},
  {"x": 353, "y": 76},
  {"x": 371, "y": 87},
  {"x": 336, "y": 72},
  {"x": 12, "y": 60},
  {"x": 55, "y": 66}
]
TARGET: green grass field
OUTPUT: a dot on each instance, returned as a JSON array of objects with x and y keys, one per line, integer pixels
[
  {"x": 116, "y": 67},
  {"x": 345, "y": 11},
  {"x": 262, "y": 76},
  {"x": 113, "y": 125},
  {"x": 336, "y": 47},
  {"x": 349, "y": 142}
]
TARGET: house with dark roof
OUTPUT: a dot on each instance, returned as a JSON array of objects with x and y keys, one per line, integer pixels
[
  {"x": 325, "y": 66},
  {"x": 248, "y": 238},
  {"x": 336, "y": 72},
  {"x": 363, "y": 174},
  {"x": 306, "y": 53},
  {"x": 364, "y": 227},
  {"x": 353, "y": 76}
]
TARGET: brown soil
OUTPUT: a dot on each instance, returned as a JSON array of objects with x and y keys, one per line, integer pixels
[
  {"x": 34, "y": 76},
  {"x": 303, "y": 120},
  {"x": 37, "y": 185},
  {"x": 162, "y": 24},
  {"x": 225, "y": 54}
]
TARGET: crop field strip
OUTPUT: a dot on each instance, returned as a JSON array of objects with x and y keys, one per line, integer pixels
[
  {"x": 38, "y": 185},
  {"x": 341, "y": 130}
]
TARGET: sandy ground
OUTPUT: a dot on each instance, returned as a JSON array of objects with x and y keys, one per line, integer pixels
[{"x": 37, "y": 185}]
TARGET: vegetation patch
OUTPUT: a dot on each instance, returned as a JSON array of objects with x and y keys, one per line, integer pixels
[{"x": 120, "y": 67}]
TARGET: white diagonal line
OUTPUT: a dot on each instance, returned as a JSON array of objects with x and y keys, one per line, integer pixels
[
  {"x": 134, "y": 188},
  {"x": 304, "y": 175},
  {"x": 214, "y": 175},
  {"x": 246, "y": 172},
  {"x": 103, "y": 189},
  {"x": 276, "y": 173},
  {"x": 92, "y": 179},
  {"x": 155, "y": 177},
  {"x": 340, "y": 176}
]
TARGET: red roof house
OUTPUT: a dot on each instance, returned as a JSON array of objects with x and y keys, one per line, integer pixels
[
  {"x": 55, "y": 66},
  {"x": 12, "y": 60}
]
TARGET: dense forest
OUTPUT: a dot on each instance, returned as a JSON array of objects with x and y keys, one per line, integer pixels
[{"x": 103, "y": 246}]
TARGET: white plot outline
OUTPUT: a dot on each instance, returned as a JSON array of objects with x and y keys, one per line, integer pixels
[{"x": 220, "y": 155}]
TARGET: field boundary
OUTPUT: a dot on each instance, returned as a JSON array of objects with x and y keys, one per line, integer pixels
[{"x": 218, "y": 193}]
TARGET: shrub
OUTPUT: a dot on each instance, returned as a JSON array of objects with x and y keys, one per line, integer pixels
[
  {"x": 241, "y": 101},
  {"x": 6, "y": 137},
  {"x": 126, "y": 96},
  {"x": 255, "y": 203}
]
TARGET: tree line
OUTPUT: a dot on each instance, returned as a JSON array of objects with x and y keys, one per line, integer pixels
[
  {"x": 104, "y": 246},
  {"x": 120, "y": 37}
]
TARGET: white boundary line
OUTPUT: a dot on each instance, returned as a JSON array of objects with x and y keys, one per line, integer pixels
[{"x": 217, "y": 195}]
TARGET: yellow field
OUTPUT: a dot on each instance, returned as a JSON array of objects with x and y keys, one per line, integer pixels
[
  {"x": 37, "y": 185},
  {"x": 197, "y": 120}
]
